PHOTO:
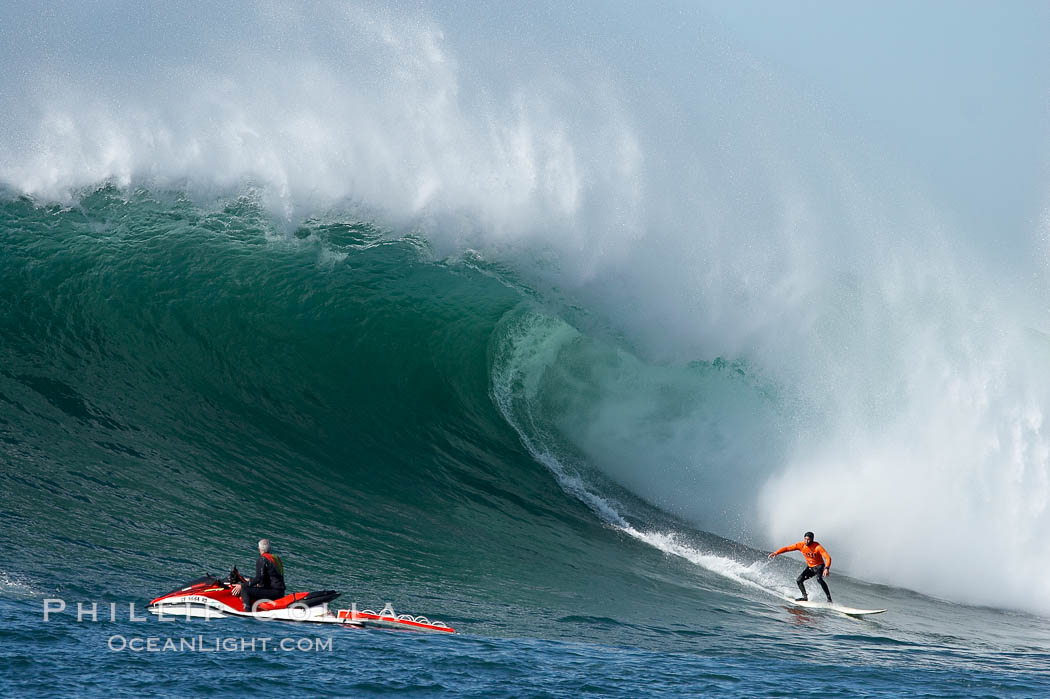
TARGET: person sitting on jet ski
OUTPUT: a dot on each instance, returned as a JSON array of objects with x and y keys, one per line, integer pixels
[{"x": 268, "y": 583}]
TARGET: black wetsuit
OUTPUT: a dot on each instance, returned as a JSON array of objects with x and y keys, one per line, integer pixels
[
  {"x": 268, "y": 583},
  {"x": 811, "y": 572}
]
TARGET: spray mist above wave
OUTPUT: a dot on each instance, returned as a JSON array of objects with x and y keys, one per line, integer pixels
[
  {"x": 674, "y": 189},
  {"x": 341, "y": 106}
]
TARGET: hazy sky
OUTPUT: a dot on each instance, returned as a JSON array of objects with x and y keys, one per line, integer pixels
[
  {"x": 954, "y": 94},
  {"x": 960, "y": 90}
]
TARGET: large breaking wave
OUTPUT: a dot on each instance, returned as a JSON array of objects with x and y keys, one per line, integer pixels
[{"x": 750, "y": 322}]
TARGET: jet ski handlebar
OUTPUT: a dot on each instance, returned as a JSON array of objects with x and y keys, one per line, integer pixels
[{"x": 235, "y": 578}]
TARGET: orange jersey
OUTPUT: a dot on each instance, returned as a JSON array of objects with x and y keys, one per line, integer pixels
[{"x": 813, "y": 553}]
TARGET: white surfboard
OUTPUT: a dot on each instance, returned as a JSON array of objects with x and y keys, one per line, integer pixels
[{"x": 832, "y": 607}]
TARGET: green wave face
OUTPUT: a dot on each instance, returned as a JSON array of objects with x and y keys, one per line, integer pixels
[{"x": 178, "y": 382}]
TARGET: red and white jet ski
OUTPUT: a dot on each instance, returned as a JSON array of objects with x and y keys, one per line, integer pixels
[{"x": 211, "y": 598}]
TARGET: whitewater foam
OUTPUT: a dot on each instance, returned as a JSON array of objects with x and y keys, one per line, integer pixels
[
  {"x": 17, "y": 586},
  {"x": 755, "y": 575}
]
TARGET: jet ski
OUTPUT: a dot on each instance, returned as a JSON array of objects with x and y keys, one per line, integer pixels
[{"x": 209, "y": 597}]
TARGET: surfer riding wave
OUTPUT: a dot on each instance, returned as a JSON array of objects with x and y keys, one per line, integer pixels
[{"x": 818, "y": 564}]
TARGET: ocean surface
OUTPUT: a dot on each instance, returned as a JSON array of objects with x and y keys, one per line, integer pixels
[
  {"x": 178, "y": 382},
  {"x": 545, "y": 321}
]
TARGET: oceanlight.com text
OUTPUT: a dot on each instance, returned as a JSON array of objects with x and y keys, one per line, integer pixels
[{"x": 230, "y": 644}]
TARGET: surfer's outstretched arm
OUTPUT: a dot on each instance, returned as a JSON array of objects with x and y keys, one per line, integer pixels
[{"x": 784, "y": 549}]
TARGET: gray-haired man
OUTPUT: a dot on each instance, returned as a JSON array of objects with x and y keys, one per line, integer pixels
[{"x": 268, "y": 582}]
